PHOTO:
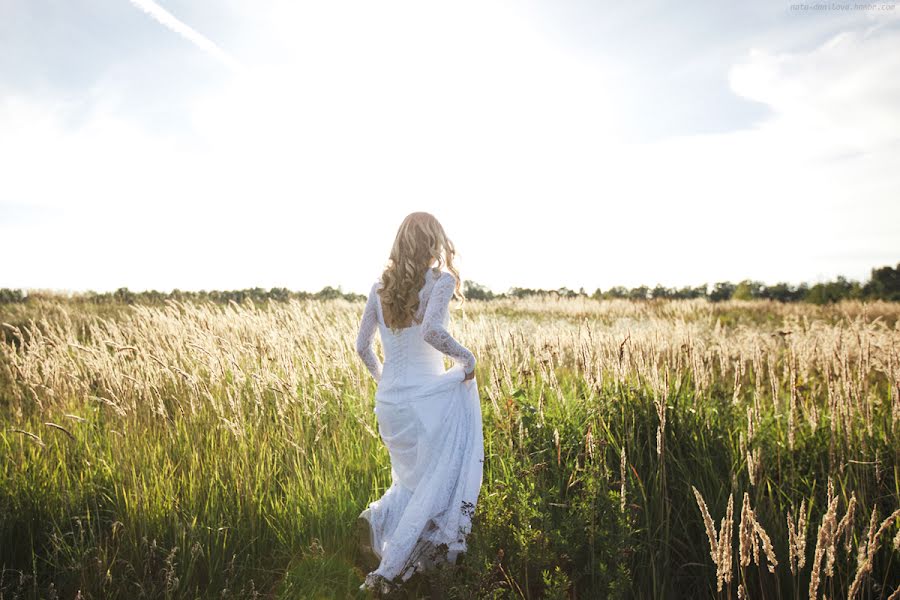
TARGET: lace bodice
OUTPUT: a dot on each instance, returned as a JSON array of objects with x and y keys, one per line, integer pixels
[{"x": 429, "y": 325}]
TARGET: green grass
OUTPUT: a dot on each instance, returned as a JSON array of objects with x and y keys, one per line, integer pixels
[{"x": 140, "y": 506}]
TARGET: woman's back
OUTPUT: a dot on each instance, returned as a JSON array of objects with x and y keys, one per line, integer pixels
[
  {"x": 407, "y": 356},
  {"x": 413, "y": 355}
]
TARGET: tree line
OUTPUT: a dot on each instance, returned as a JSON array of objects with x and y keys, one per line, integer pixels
[
  {"x": 125, "y": 296},
  {"x": 884, "y": 284}
]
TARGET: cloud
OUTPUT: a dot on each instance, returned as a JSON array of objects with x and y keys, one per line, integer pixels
[
  {"x": 169, "y": 20},
  {"x": 297, "y": 171},
  {"x": 840, "y": 97}
]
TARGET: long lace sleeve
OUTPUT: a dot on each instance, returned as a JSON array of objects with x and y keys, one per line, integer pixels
[
  {"x": 433, "y": 323},
  {"x": 365, "y": 339}
]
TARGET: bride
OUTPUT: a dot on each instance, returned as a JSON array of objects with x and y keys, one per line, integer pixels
[{"x": 429, "y": 417}]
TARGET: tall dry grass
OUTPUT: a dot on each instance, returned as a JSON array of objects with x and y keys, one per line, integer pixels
[{"x": 694, "y": 402}]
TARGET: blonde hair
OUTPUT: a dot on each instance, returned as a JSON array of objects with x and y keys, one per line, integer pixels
[{"x": 420, "y": 240}]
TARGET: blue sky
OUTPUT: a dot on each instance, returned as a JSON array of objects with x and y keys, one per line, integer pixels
[{"x": 201, "y": 145}]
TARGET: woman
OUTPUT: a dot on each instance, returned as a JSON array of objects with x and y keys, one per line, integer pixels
[{"x": 428, "y": 417}]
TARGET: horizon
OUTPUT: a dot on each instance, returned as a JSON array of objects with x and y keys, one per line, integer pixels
[{"x": 342, "y": 289}]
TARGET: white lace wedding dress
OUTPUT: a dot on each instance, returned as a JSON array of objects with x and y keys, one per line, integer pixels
[{"x": 429, "y": 418}]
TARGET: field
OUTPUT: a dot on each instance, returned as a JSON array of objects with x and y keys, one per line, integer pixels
[{"x": 642, "y": 449}]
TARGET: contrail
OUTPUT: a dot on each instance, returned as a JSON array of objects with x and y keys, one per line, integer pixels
[{"x": 169, "y": 20}]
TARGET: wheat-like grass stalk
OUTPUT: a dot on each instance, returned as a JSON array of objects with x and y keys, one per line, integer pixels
[
  {"x": 843, "y": 527},
  {"x": 746, "y": 539},
  {"x": 797, "y": 539},
  {"x": 60, "y": 428},
  {"x": 867, "y": 548},
  {"x": 823, "y": 541},
  {"x": 30, "y": 436},
  {"x": 710, "y": 527},
  {"x": 771, "y": 561},
  {"x": 752, "y": 534},
  {"x": 725, "y": 557}
]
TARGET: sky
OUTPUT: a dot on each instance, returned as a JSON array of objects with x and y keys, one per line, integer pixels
[{"x": 279, "y": 143}]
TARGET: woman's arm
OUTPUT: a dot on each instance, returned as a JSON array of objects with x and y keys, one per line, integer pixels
[
  {"x": 365, "y": 339},
  {"x": 433, "y": 323}
]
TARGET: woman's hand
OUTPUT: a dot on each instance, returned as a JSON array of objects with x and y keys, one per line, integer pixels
[{"x": 470, "y": 375}]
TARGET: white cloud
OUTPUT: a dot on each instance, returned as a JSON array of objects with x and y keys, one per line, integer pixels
[{"x": 840, "y": 97}]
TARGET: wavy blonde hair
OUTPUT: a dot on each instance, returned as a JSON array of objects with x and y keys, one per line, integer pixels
[{"x": 420, "y": 241}]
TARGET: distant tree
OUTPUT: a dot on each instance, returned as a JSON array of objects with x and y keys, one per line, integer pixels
[
  {"x": 518, "y": 292},
  {"x": 279, "y": 294},
  {"x": 721, "y": 291},
  {"x": 616, "y": 292},
  {"x": 748, "y": 290},
  {"x": 833, "y": 291},
  {"x": 124, "y": 296},
  {"x": 687, "y": 293},
  {"x": 329, "y": 293},
  {"x": 782, "y": 292},
  {"x": 8, "y": 296},
  {"x": 476, "y": 291},
  {"x": 96, "y": 298},
  {"x": 662, "y": 292},
  {"x": 158, "y": 296},
  {"x": 641, "y": 292},
  {"x": 884, "y": 284}
]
